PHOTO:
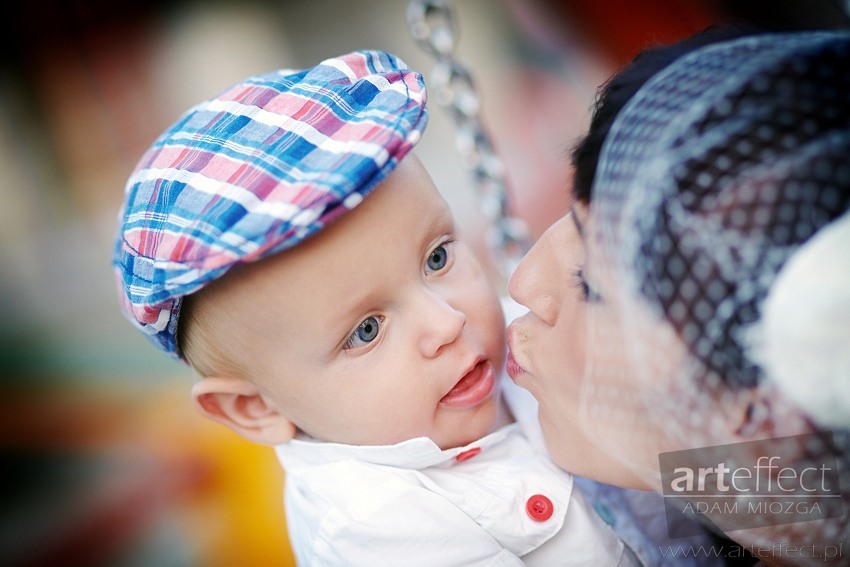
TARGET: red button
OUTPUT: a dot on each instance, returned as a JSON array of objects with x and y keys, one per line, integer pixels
[
  {"x": 467, "y": 454},
  {"x": 539, "y": 508}
]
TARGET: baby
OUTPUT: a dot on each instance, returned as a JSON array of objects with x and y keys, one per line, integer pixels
[{"x": 283, "y": 240}]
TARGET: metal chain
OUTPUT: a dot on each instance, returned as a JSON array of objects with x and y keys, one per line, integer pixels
[{"x": 433, "y": 29}]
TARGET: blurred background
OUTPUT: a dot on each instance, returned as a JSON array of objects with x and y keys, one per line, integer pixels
[{"x": 103, "y": 461}]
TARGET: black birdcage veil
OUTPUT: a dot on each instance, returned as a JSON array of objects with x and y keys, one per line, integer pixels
[{"x": 726, "y": 171}]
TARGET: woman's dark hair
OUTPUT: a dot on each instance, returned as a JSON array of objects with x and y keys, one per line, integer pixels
[
  {"x": 760, "y": 193},
  {"x": 619, "y": 89}
]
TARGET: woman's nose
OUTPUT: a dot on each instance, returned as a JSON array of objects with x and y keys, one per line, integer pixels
[
  {"x": 536, "y": 278},
  {"x": 441, "y": 323}
]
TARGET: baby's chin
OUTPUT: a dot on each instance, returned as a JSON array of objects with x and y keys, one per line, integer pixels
[{"x": 490, "y": 418}]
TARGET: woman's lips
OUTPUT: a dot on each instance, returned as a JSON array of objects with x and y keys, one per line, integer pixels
[
  {"x": 472, "y": 388},
  {"x": 513, "y": 368}
]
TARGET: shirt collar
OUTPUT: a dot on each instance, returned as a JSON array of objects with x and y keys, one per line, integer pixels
[{"x": 417, "y": 453}]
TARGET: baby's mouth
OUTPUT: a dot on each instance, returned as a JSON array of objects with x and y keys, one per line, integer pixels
[{"x": 472, "y": 388}]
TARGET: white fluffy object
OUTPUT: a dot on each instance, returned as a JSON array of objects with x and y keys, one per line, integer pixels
[{"x": 803, "y": 339}]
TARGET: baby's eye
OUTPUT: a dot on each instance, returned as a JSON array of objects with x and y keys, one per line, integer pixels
[
  {"x": 438, "y": 258},
  {"x": 365, "y": 333}
]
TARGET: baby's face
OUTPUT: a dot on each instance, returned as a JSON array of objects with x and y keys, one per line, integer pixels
[{"x": 381, "y": 328}]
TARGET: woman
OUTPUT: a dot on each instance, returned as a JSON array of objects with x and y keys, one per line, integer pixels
[{"x": 677, "y": 307}]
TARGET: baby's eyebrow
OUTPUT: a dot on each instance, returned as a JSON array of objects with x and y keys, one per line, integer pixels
[
  {"x": 349, "y": 311},
  {"x": 345, "y": 314},
  {"x": 445, "y": 216}
]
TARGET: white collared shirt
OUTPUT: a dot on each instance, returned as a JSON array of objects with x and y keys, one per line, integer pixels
[{"x": 415, "y": 504}]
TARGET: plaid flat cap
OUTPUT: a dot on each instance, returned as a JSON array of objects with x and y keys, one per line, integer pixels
[{"x": 256, "y": 170}]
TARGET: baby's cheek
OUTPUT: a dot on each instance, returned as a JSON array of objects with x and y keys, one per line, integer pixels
[
  {"x": 487, "y": 304},
  {"x": 495, "y": 323}
]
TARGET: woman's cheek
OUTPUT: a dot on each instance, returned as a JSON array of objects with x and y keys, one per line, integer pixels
[{"x": 567, "y": 366}]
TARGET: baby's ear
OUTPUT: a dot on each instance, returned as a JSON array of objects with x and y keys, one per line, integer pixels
[{"x": 238, "y": 404}]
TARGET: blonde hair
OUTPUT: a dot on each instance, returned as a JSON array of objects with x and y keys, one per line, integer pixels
[{"x": 199, "y": 338}]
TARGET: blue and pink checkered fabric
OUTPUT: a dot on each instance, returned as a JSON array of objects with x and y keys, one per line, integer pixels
[{"x": 255, "y": 171}]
